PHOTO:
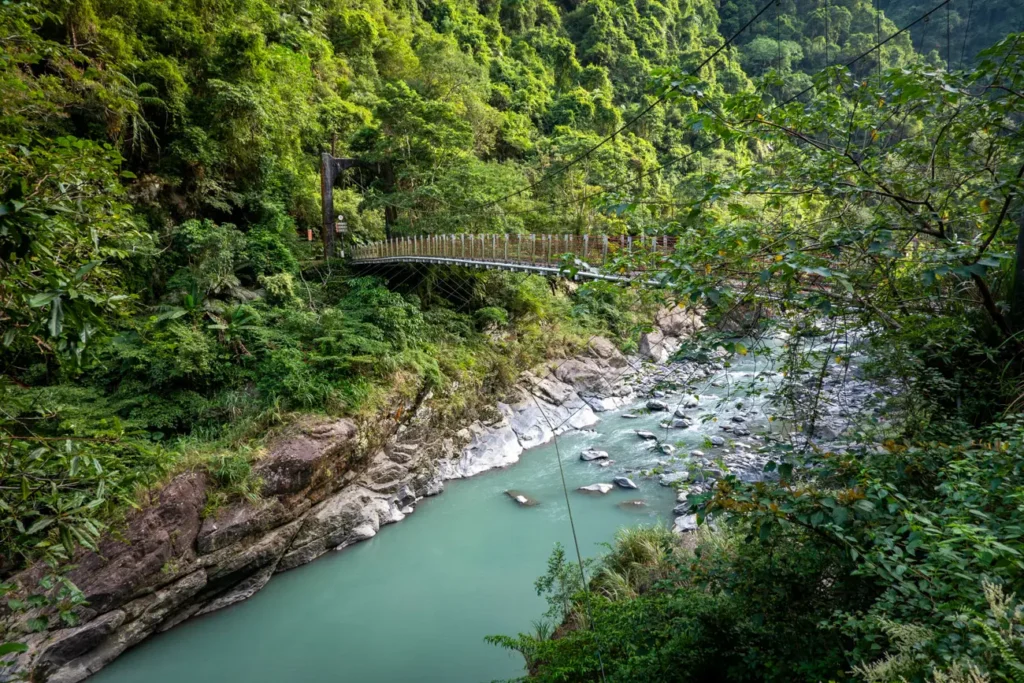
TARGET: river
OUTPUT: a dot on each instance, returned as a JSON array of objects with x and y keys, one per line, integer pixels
[{"x": 415, "y": 602}]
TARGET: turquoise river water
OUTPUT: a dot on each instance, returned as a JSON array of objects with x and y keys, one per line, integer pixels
[{"x": 415, "y": 602}]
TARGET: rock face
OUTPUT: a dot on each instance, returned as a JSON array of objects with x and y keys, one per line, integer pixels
[{"x": 168, "y": 563}]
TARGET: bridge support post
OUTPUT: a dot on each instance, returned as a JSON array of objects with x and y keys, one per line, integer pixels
[
  {"x": 604, "y": 250},
  {"x": 327, "y": 176}
]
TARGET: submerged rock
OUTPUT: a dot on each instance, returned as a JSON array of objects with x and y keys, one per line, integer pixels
[
  {"x": 601, "y": 488},
  {"x": 633, "y": 504},
  {"x": 625, "y": 482},
  {"x": 591, "y": 454},
  {"x": 521, "y": 498}
]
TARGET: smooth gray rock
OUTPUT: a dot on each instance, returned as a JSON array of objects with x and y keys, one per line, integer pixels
[
  {"x": 646, "y": 436},
  {"x": 601, "y": 487},
  {"x": 657, "y": 405},
  {"x": 685, "y": 524},
  {"x": 671, "y": 478},
  {"x": 625, "y": 482},
  {"x": 591, "y": 454}
]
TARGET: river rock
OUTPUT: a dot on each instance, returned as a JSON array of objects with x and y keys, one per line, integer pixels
[
  {"x": 646, "y": 436},
  {"x": 339, "y": 521},
  {"x": 716, "y": 441},
  {"x": 671, "y": 478},
  {"x": 521, "y": 498},
  {"x": 606, "y": 351},
  {"x": 586, "y": 378},
  {"x": 625, "y": 482},
  {"x": 657, "y": 347},
  {"x": 685, "y": 524},
  {"x": 596, "y": 488},
  {"x": 667, "y": 448},
  {"x": 681, "y": 509},
  {"x": 605, "y": 463},
  {"x": 738, "y": 418},
  {"x": 490, "y": 447},
  {"x": 633, "y": 504},
  {"x": 657, "y": 405},
  {"x": 679, "y": 322},
  {"x": 681, "y": 424},
  {"x": 629, "y": 416}
]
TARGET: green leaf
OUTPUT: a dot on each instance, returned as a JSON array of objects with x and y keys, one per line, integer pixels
[
  {"x": 56, "y": 324},
  {"x": 12, "y": 648},
  {"x": 41, "y": 299}
]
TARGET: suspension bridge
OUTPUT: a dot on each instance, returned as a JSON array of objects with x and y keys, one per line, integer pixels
[{"x": 595, "y": 257}]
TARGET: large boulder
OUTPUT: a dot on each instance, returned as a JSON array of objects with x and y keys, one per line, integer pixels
[
  {"x": 586, "y": 378},
  {"x": 605, "y": 351},
  {"x": 657, "y": 347},
  {"x": 548, "y": 388},
  {"x": 679, "y": 322},
  {"x": 685, "y": 524},
  {"x": 351, "y": 515},
  {"x": 490, "y": 447},
  {"x": 298, "y": 460}
]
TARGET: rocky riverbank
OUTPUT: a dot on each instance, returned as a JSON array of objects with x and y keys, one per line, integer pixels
[{"x": 323, "y": 489}]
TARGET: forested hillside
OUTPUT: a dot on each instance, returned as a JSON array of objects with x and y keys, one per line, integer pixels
[
  {"x": 165, "y": 302},
  {"x": 160, "y": 174}
]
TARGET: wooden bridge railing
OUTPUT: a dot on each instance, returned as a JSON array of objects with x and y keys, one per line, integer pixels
[{"x": 514, "y": 249}]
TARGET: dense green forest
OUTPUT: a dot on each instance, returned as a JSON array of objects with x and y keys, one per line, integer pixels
[{"x": 161, "y": 306}]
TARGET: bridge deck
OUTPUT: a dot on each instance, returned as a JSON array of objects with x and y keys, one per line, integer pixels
[{"x": 543, "y": 254}]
